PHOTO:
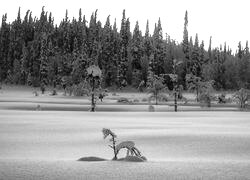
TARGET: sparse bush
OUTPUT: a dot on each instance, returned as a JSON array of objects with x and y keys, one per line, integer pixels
[
  {"x": 151, "y": 108},
  {"x": 163, "y": 98},
  {"x": 155, "y": 87},
  {"x": 201, "y": 88},
  {"x": 222, "y": 98},
  {"x": 144, "y": 99},
  {"x": 205, "y": 99},
  {"x": 141, "y": 86},
  {"x": 69, "y": 90},
  {"x": 38, "y": 107},
  {"x": 114, "y": 94},
  {"x": 123, "y": 100},
  {"x": 102, "y": 94},
  {"x": 81, "y": 89},
  {"x": 136, "y": 100},
  {"x": 35, "y": 93},
  {"x": 229, "y": 100},
  {"x": 242, "y": 96},
  {"x": 53, "y": 93},
  {"x": 205, "y": 93},
  {"x": 43, "y": 88}
]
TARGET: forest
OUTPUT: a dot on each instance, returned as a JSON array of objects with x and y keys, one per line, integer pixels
[{"x": 35, "y": 51}]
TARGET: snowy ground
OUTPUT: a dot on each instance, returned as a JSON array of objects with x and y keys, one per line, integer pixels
[{"x": 184, "y": 145}]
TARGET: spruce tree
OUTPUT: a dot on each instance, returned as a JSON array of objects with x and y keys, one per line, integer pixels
[
  {"x": 202, "y": 53},
  {"x": 44, "y": 61},
  {"x": 210, "y": 51},
  {"x": 246, "y": 51},
  {"x": 240, "y": 53},
  {"x": 116, "y": 40},
  {"x": 158, "y": 61},
  {"x": 147, "y": 55},
  {"x": 195, "y": 56},
  {"x": 124, "y": 48},
  {"x": 107, "y": 53},
  {"x": 4, "y": 47},
  {"x": 185, "y": 45}
]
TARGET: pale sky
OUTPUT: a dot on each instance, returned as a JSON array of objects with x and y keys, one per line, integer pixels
[{"x": 224, "y": 20}]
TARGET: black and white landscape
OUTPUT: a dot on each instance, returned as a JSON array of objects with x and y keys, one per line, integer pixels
[{"x": 87, "y": 98}]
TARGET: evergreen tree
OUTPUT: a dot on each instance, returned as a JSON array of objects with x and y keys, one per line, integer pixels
[
  {"x": 4, "y": 48},
  {"x": 115, "y": 41},
  {"x": 107, "y": 53},
  {"x": 202, "y": 53},
  {"x": 124, "y": 48},
  {"x": 210, "y": 51},
  {"x": 196, "y": 62},
  {"x": 158, "y": 47},
  {"x": 35, "y": 51},
  {"x": 137, "y": 54},
  {"x": 147, "y": 55},
  {"x": 185, "y": 45},
  {"x": 25, "y": 64},
  {"x": 240, "y": 53},
  {"x": 44, "y": 61},
  {"x": 246, "y": 51}
]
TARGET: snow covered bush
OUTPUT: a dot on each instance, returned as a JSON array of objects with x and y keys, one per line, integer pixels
[
  {"x": 155, "y": 86},
  {"x": 81, "y": 89},
  {"x": 123, "y": 100},
  {"x": 201, "y": 88},
  {"x": 242, "y": 96},
  {"x": 35, "y": 93},
  {"x": 222, "y": 98},
  {"x": 205, "y": 93},
  {"x": 141, "y": 86},
  {"x": 144, "y": 99},
  {"x": 53, "y": 93},
  {"x": 132, "y": 151},
  {"x": 151, "y": 108}
]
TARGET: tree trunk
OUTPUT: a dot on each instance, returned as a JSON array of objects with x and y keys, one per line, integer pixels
[
  {"x": 175, "y": 99},
  {"x": 93, "y": 96}
]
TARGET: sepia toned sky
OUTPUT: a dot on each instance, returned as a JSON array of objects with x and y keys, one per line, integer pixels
[{"x": 224, "y": 20}]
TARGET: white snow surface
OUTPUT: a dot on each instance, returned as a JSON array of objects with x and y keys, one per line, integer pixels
[{"x": 183, "y": 145}]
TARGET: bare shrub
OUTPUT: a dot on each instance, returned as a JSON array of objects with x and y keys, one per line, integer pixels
[
  {"x": 242, "y": 96},
  {"x": 81, "y": 89},
  {"x": 151, "y": 108},
  {"x": 123, "y": 100}
]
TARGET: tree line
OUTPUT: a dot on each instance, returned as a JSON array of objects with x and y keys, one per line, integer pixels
[{"x": 35, "y": 51}]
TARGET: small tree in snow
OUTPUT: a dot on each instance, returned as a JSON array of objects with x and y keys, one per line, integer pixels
[
  {"x": 202, "y": 89},
  {"x": 242, "y": 96},
  {"x": 129, "y": 145},
  {"x": 106, "y": 133},
  {"x": 94, "y": 78},
  {"x": 174, "y": 78},
  {"x": 194, "y": 83},
  {"x": 155, "y": 86},
  {"x": 205, "y": 96}
]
